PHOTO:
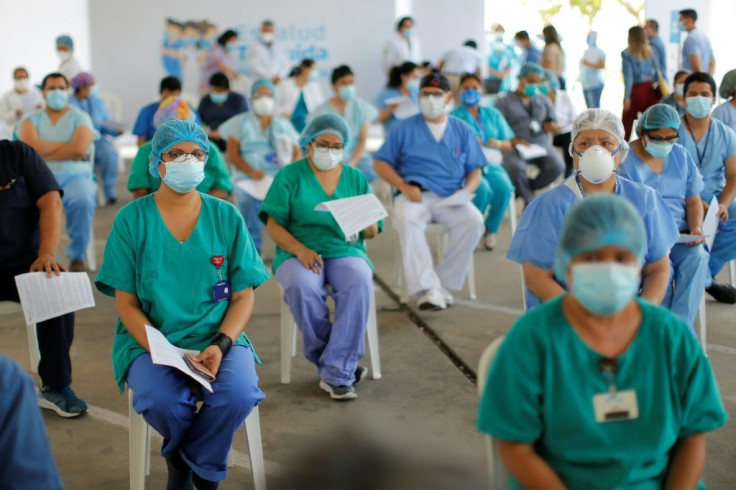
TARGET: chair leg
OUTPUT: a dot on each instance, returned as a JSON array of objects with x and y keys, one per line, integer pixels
[
  {"x": 33, "y": 347},
  {"x": 138, "y": 441},
  {"x": 512, "y": 213},
  {"x": 91, "y": 254},
  {"x": 401, "y": 286},
  {"x": 294, "y": 328},
  {"x": 471, "y": 279},
  {"x": 372, "y": 334},
  {"x": 523, "y": 287},
  {"x": 255, "y": 449},
  {"x": 287, "y": 343},
  {"x": 702, "y": 324},
  {"x": 732, "y": 272}
]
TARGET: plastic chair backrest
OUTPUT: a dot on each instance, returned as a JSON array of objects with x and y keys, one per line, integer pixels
[{"x": 497, "y": 475}]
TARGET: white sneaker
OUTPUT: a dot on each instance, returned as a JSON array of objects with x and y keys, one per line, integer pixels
[
  {"x": 447, "y": 296},
  {"x": 432, "y": 300},
  {"x": 489, "y": 241}
]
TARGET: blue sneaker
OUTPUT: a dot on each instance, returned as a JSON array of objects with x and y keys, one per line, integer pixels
[{"x": 64, "y": 402}]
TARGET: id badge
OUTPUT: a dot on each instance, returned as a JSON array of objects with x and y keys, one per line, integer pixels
[
  {"x": 271, "y": 158},
  {"x": 615, "y": 406},
  {"x": 222, "y": 291},
  {"x": 535, "y": 127}
]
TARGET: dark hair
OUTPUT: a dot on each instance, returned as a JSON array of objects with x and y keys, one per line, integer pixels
[
  {"x": 550, "y": 35},
  {"x": 700, "y": 76},
  {"x": 522, "y": 35},
  {"x": 174, "y": 23},
  {"x": 220, "y": 80},
  {"x": 55, "y": 74},
  {"x": 653, "y": 23},
  {"x": 471, "y": 44},
  {"x": 226, "y": 36},
  {"x": 679, "y": 74},
  {"x": 394, "y": 76},
  {"x": 172, "y": 84},
  {"x": 266, "y": 23},
  {"x": 305, "y": 63},
  {"x": 467, "y": 76},
  {"x": 401, "y": 22},
  {"x": 689, "y": 14},
  {"x": 339, "y": 72}
]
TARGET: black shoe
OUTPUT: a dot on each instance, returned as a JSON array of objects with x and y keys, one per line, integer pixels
[
  {"x": 202, "y": 484},
  {"x": 723, "y": 293},
  {"x": 112, "y": 201},
  {"x": 360, "y": 373},
  {"x": 180, "y": 474}
]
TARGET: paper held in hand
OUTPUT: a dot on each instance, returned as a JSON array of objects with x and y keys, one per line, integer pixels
[
  {"x": 493, "y": 156},
  {"x": 405, "y": 107},
  {"x": 44, "y": 297},
  {"x": 166, "y": 354},
  {"x": 530, "y": 152},
  {"x": 710, "y": 227},
  {"x": 354, "y": 214},
  {"x": 456, "y": 199},
  {"x": 256, "y": 188}
]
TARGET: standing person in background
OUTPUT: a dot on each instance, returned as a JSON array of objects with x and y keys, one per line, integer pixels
[
  {"x": 461, "y": 60},
  {"x": 68, "y": 66},
  {"x": 697, "y": 54},
  {"x": 677, "y": 98},
  {"x": 553, "y": 57},
  {"x": 220, "y": 105},
  {"x": 566, "y": 114},
  {"x": 21, "y": 100},
  {"x": 640, "y": 72},
  {"x": 500, "y": 63},
  {"x": 299, "y": 94},
  {"x": 532, "y": 54},
  {"x": 403, "y": 82},
  {"x": 651, "y": 28},
  {"x": 219, "y": 60},
  {"x": 402, "y": 47},
  {"x": 266, "y": 58},
  {"x": 591, "y": 72},
  {"x": 726, "y": 112}
]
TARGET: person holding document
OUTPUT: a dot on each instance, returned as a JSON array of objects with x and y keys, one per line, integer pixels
[
  {"x": 659, "y": 162},
  {"x": 30, "y": 227},
  {"x": 312, "y": 253},
  {"x": 182, "y": 261},
  {"x": 431, "y": 157}
]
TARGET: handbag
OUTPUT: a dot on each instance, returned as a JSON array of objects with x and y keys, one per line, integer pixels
[{"x": 660, "y": 86}]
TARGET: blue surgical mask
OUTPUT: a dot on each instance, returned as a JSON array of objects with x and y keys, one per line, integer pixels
[
  {"x": 604, "y": 288},
  {"x": 680, "y": 89},
  {"x": 532, "y": 89},
  {"x": 543, "y": 88},
  {"x": 682, "y": 27},
  {"x": 218, "y": 97},
  {"x": 658, "y": 149},
  {"x": 314, "y": 75},
  {"x": 347, "y": 92},
  {"x": 413, "y": 85},
  {"x": 57, "y": 99},
  {"x": 408, "y": 33},
  {"x": 471, "y": 97},
  {"x": 698, "y": 106},
  {"x": 94, "y": 91},
  {"x": 184, "y": 174}
]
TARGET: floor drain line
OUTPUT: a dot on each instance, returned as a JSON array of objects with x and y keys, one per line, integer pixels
[{"x": 467, "y": 371}]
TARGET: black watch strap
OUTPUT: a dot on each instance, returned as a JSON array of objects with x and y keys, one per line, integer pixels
[{"x": 223, "y": 342}]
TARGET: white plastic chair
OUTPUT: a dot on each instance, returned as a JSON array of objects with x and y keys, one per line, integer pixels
[
  {"x": 35, "y": 354},
  {"x": 497, "y": 475},
  {"x": 702, "y": 325},
  {"x": 289, "y": 340},
  {"x": 139, "y": 448}
]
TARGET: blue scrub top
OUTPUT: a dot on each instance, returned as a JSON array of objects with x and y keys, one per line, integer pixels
[
  {"x": 726, "y": 113},
  {"x": 660, "y": 53},
  {"x": 213, "y": 114},
  {"x": 389, "y": 93},
  {"x": 541, "y": 385},
  {"x": 357, "y": 114},
  {"x": 710, "y": 155},
  {"x": 536, "y": 237},
  {"x": 678, "y": 181},
  {"x": 440, "y": 167},
  {"x": 489, "y": 125},
  {"x": 96, "y": 109},
  {"x": 63, "y": 131},
  {"x": 697, "y": 43}
]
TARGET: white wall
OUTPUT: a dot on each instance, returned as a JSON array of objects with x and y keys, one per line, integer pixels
[
  {"x": 440, "y": 28},
  {"x": 28, "y": 31}
]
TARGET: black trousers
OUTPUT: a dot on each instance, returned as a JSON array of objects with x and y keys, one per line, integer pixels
[
  {"x": 55, "y": 336},
  {"x": 563, "y": 141}
]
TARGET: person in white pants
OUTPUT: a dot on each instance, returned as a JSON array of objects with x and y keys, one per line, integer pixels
[{"x": 436, "y": 163}]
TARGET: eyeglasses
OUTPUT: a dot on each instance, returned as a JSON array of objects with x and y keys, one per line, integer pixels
[
  {"x": 434, "y": 95},
  {"x": 668, "y": 139},
  {"x": 176, "y": 154},
  {"x": 322, "y": 148}
]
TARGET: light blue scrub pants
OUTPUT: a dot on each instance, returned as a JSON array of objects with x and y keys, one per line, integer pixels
[
  {"x": 337, "y": 346},
  {"x": 203, "y": 439},
  {"x": 688, "y": 277},
  {"x": 250, "y": 207},
  {"x": 106, "y": 159},
  {"x": 80, "y": 202},
  {"x": 724, "y": 245},
  {"x": 494, "y": 192}
]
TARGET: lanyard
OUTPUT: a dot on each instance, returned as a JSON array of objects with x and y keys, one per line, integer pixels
[
  {"x": 707, "y": 140},
  {"x": 608, "y": 366},
  {"x": 582, "y": 190},
  {"x": 479, "y": 125}
]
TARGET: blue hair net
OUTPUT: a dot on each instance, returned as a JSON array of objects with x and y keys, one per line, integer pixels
[
  {"x": 326, "y": 123},
  {"x": 262, "y": 83},
  {"x": 595, "y": 222},
  {"x": 658, "y": 116},
  {"x": 530, "y": 68},
  {"x": 65, "y": 40},
  {"x": 172, "y": 133},
  {"x": 554, "y": 82}
]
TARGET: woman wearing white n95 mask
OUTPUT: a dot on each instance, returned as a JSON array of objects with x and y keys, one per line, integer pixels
[{"x": 598, "y": 147}]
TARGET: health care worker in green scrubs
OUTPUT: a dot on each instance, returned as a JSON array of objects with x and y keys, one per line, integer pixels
[
  {"x": 596, "y": 388},
  {"x": 312, "y": 252},
  {"x": 183, "y": 262}
]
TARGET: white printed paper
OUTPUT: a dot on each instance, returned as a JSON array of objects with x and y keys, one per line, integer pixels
[
  {"x": 256, "y": 188},
  {"x": 530, "y": 152},
  {"x": 687, "y": 238},
  {"x": 44, "y": 297},
  {"x": 354, "y": 214},
  {"x": 710, "y": 223},
  {"x": 405, "y": 107},
  {"x": 493, "y": 156},
  {"x": 457, "y": 199},
  {"x": 166, "y": 354}
]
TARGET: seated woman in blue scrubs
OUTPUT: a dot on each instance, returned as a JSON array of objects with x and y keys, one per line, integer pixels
[
  {"x": 598, "y": 389},
  {"x": 403, "y": 82},
  {"x": 183, "y": 262},
  {"x": 666, "y": 167},
  {"x": 492, "y": 131},
  {"x": 312, "y": 252},
  {"x": 598, "y": 146}
]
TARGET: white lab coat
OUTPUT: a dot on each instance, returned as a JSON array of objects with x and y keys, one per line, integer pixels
[
  {"x": 70, "y": 68},
  {"x": 267, "y": 61},
  {"x": 398, "y": 50},
  {"x": 463, "y": 59},
  {"x": 565, "y": 111},
  {"x": 287, "y": 95},
  {"x": 12, "y": 101}
]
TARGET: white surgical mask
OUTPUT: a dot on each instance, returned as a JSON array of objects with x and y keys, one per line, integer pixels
[
  {"x": 22, "y": 84},
  {"x": 267, "y": 37},
  {"x": 263, "y": 106},
  {"x": 64, "y": 55},
  {"x": 596, "y": 164},
  {"x": 432, "y": 107},
  {"x": 327, "y": 160}
]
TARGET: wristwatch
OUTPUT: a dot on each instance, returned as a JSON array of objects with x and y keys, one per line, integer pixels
[{"x": 223, "y": 342}]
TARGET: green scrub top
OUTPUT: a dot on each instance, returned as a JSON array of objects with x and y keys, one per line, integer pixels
[
  {"x": 541, "y": 385},
  {"x": 291, "y": 200},
  {"x": 174, "y": 280},
  {"x": 216, "y": 174}
]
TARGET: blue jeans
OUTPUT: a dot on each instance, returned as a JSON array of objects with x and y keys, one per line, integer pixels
[
  {"x": 202, "y": 438},
  {"x": 688, "y": 277},
  {"x": 494, "y": 194},
  {"x": 249, "y": 207},
  {"x": 593, "y": 97},
  {"x": 80, "y": 202},
  {"x": 106, "y": 159}
]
